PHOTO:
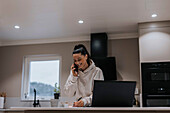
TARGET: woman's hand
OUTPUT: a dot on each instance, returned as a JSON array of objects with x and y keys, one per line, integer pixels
[
  {"x": 79, "y": 103},
  {"x": 73, "y": 70}
]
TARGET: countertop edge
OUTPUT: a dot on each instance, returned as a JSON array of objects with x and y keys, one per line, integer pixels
[{"x": 88, "y": 109}]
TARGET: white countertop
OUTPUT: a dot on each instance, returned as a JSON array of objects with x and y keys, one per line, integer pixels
[{"x": 91, "y": 108}]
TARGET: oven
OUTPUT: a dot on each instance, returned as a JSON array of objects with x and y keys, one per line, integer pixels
[{"x": 156, "y": 84}]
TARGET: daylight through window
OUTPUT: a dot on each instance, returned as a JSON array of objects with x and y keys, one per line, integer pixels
[{"x": 40, "y": 73}]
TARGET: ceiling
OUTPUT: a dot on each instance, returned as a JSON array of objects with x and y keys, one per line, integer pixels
[{"x": 52, "y": 19}]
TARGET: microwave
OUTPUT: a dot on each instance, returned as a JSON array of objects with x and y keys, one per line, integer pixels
[{"x": 156, "y": 71}]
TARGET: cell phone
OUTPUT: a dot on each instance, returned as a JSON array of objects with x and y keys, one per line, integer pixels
[{"x": 76, "y": 67}]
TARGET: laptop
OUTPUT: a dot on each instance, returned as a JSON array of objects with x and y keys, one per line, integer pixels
[{"x": 113, "y": 93}]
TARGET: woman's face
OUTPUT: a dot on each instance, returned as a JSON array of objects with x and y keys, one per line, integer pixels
[{"x": 80, "y": 60}]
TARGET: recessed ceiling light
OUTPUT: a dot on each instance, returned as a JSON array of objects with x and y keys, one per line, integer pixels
[
  {"x": 80, "y": 21},
  {"x": 154, "y": 15},
  {"x": 17, "y": 27}
]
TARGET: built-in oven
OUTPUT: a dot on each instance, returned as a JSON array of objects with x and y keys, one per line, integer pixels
[{"x": 156, "y": 84}]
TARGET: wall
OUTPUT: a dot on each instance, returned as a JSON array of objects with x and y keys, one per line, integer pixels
[
  {"x": 11, "y": 63},
  {"x": 125, "y": 50},
  {"x": 127, "y": 59}
]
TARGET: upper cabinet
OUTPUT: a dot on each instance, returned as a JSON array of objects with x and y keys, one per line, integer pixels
[{"x": 154, "y": 41}]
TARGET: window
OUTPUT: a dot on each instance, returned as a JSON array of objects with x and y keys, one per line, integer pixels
[{"x": 40, "y": 72}]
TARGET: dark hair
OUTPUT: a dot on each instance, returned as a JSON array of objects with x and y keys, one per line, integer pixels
[{"x": 80, "y": 48}]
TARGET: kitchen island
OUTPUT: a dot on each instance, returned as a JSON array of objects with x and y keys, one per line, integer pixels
[{"x": 87, "y": 110}]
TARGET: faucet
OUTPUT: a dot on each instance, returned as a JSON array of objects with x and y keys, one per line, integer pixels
[{"x": 36, "y": 102}]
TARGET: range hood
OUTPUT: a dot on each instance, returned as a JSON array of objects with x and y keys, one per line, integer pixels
[
  {"x": 99, "y": 45},
  {"x": 99, "y": 55}
]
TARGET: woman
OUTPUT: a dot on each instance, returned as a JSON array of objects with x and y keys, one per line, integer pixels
[{"x": 80, "y": 81}]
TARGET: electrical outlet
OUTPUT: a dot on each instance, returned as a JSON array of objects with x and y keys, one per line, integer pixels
[{"x": 136, "y": 91}]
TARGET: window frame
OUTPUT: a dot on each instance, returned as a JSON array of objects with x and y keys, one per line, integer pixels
[{"x": 26, "y": 74}]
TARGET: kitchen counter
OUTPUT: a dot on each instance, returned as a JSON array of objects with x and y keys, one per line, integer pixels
[
  {"x": 87, "y": 109},
  {"x": 94, "y": 108},
  {"x": 15, "y": 110},
  {"x": 11, "y": 111}
]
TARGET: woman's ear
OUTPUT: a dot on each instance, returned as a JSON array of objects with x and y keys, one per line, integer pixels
[{"x": 86, "y": 56}]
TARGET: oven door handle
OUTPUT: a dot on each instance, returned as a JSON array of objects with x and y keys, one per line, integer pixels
[{"x": 158, "y": 96}]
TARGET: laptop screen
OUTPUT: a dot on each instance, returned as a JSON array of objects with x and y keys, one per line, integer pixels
[{"x": 113, "y": 93}]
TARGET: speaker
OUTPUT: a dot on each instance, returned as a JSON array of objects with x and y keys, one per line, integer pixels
[{"x": 99, "y": 45}]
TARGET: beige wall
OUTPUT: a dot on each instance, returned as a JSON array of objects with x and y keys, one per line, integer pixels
[
  {"x": 127, "y": 58},
  {"x": 11, "y": 57}
]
